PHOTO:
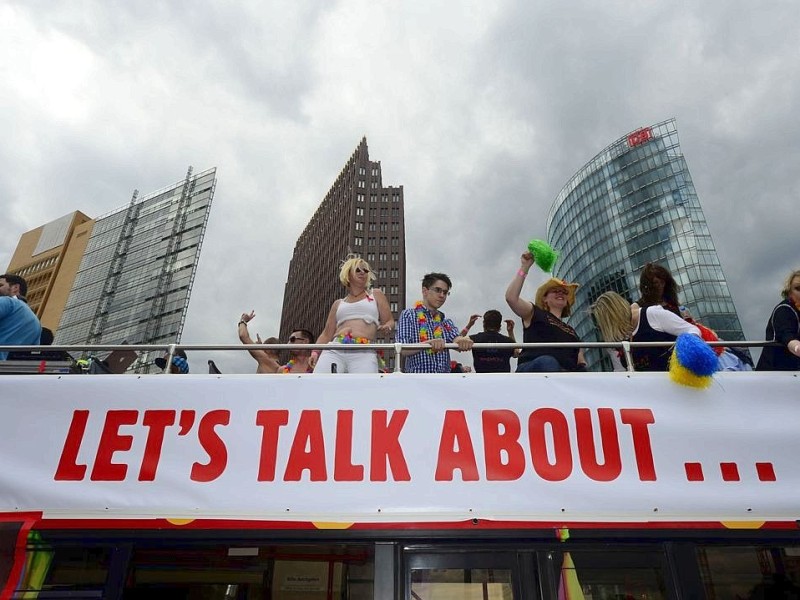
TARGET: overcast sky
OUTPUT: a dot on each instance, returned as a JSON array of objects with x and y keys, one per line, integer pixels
[{"x": 482, "y": 113}]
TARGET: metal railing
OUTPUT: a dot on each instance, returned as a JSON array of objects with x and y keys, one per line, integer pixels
[{"x": 396, "y": 348}]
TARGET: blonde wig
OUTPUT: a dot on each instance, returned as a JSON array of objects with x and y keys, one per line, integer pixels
[
  {"x": 613, "y": 316},
  {"x": 351, "y": 263}
]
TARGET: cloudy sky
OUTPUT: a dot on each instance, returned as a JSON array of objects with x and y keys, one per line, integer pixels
[{"x": 482, "y": 113}]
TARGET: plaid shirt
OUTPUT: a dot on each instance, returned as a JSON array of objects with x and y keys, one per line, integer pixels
[{"x": 408, "y": 333}]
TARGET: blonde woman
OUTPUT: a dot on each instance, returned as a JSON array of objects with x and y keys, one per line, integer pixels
[
  {"x": 783, "y": 328},
  {"x": 618, "y": 321},
  {"x": 355, "y": 319},
  {"x": 614, "y": 317}
]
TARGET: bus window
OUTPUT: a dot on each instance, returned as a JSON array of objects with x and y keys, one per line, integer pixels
[
  {"x": 291, "y": 572},
  {"x": 750, "y": 572},
  {"x": 462, "y": 576},
  {"x": 54, "y": 571},
  {"x": 461, "y": 584},
  {"x": 610, "y": 575}
]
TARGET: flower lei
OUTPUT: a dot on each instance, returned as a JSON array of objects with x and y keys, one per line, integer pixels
[
  {"x": 347, "y": 338},
  {"x": 287, "y": 368},
  {"x": 422, "y": 321}
]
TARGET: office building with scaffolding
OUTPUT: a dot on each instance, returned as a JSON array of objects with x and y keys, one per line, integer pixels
[
  {"x": 136, "y": 274},
  {"x": 635, "y": 203}
]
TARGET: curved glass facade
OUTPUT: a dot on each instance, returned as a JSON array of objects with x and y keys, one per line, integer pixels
[{"x": 632, "y": 204}]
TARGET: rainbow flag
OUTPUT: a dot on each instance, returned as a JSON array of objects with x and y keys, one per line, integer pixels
[{"x": 569, "y": 588}]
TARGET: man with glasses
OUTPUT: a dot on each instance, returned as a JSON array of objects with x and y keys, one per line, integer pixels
[
  {"x": 268, "y": 361},
  {"x": 426, "y": 324}
]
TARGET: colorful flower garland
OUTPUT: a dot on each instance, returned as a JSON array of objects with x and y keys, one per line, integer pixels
[
  {"x": 422, "y": 321},
  {"x": 349, "y": 339},
  {"x": 287, "y": 368}
]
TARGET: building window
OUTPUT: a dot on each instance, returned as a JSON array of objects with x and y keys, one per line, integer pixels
[
  {"x": 382, "y": 256},
  {"x": 373, "y": 185},
  {"x": 384, "y": 227},
  {"x": 370, "y": 241},
  {"x": 374, "y": 171},
  {"x": 362, "y": 171},
  {"x": 359, "y": 241},
  {"x": 359, "y": 226},
  {"x": 394, "y": 274},
  {"x": 395, "y": 256},
  {"x": 395, "y": 199},
  {"x": 371, "y": 257},
  {"x": 359, "y": 212},
  {"x": 373, "y": 198},
  {"x": 393, "y": 307},
  {"x": 360, "y": 197},
  {"x": 361, "y": 183},
  {"x": 372, "y": 227},
  {"x": 395, "y": 226},
  {"x": 395, "y": 211},
  {"x": 383, "y": 241},
  {"x": 395, "y": 241}
]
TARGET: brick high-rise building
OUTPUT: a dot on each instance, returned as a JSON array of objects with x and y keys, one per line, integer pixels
[{"x": 357, "y": 216}]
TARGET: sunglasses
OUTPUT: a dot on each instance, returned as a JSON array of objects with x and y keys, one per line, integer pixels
[
  {"x": 297, "y": 338},
  {"x": 362, "y": 270},
  {"x": 438, "y": 290}
]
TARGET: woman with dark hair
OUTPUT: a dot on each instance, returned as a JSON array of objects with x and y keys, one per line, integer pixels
[
  {"x": 658, "y": 288},
  {"x": 783, "y": 327}
]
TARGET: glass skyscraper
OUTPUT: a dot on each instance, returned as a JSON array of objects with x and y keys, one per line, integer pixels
[
  {"x": 137, "y": 271},
  {"x": 632, "y": 204}
]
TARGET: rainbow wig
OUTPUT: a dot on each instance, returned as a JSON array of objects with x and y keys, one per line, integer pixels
[
  {"x": 543, "y": 254},
  {"x": 693, "y": 362}
]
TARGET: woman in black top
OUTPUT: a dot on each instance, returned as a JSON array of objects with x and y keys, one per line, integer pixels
[
  {"x": 783, "y": 328},
  {"x": 542, "y": 322}
]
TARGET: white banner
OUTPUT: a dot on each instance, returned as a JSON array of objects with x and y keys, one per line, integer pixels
[{"x": 605, "y": 447}]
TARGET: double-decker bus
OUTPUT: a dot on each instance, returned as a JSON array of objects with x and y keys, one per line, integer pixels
[{"x": 601, "y": 486}]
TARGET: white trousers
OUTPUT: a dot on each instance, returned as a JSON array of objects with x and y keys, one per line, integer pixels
[{"x": 354, "y": 361}]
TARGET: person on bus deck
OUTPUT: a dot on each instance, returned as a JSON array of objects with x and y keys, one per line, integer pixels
[
  {"x": 658, "y": 288},
  {"x": 619, "y": 320},
  {"x": 426, "y": 324},
  {"x": 268, "y": 360},
  {"x": 19, "y": 325},
  {"x": 492, "y": 360},
  {"x": 357, "y": 318},
  {"x": 179, "y": 364},
  {"x": 542, "y": 321},
  {"x": 783, "y": 328}
]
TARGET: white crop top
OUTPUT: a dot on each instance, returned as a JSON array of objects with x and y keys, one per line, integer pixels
[{"x": 365, "y": 309}]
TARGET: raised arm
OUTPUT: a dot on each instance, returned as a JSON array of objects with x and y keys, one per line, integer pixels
[
  {"x": 522, "y": 308},
  {"x": 470, "y": 323},
  {"x": 266, "y": 364}
]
